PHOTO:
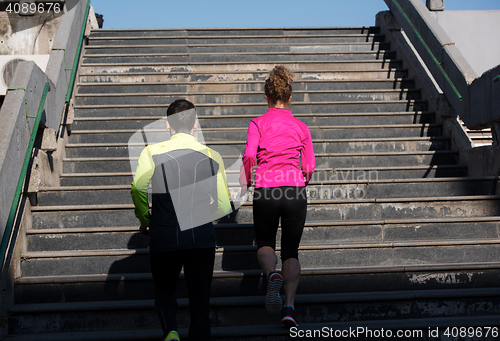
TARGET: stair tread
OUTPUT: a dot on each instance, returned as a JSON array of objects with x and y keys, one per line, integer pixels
[
  {"x": 258, "y": 300},
  {"x": 258, "y": 273},
  {"x": 136, "y": 94},
  {"x": 346, "y": 181},
  {"x": 240, "y": 248},
  {"x": 200, "y": 105},
  {"x": 270, "y": 330},
  {"x": 311, "y": 202}
]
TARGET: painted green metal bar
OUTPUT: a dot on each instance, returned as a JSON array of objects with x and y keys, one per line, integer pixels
[
  {"x": 436, "y": 61},
  {"x": 77, "y": 54},
  {"x": 17, "y": 196}
]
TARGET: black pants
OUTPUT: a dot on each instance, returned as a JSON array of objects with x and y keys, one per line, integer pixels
[
  {"x": 198, "y": 270},
  {"x": 269, "y": 205}
]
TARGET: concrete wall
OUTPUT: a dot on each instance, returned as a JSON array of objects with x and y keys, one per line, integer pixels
[
  {"x": 27, "y": 35},
  {"x": 16, "y": 128},
  {"x": 478, "y": 42}
]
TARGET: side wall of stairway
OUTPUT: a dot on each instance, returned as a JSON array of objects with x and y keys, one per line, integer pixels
[
  {"x": 480, "y": 161},
  {"x": 18, "y": 109}
]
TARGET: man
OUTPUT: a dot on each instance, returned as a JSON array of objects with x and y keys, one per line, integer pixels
[{"x": 190, "y": 190}]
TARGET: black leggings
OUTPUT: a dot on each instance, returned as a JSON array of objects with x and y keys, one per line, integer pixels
[
  {"x": 269, "y": 205},
  {"x": 198, "y": 269}
]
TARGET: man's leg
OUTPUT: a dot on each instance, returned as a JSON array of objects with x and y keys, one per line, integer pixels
[
  {"x": 165, "y": 268},
  {"x": 198, "y": 271}
]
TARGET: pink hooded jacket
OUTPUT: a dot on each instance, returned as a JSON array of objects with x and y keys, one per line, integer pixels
[{"x": 278, "y": 143}]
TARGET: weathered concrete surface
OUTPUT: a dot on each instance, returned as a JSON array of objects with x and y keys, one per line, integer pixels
[
  {"x": 17, "y": 128},
  {"x": 33, "y": 35},
  {"x": 474, "y": 33},
  {"x": 63, "y": 55},
  {"x": 28, "y": 35}
]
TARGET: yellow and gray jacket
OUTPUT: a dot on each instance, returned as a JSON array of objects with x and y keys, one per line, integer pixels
[{"x": 189, "y": 191}]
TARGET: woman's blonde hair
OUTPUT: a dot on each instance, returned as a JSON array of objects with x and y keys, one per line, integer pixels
[{"x": 278, "y": 86}]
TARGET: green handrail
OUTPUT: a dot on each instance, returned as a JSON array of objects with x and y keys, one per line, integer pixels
[
  {"x": 17, "y": 196},
  {"x": 436, "y": 61},
  {"x": 77, "y": 54}
]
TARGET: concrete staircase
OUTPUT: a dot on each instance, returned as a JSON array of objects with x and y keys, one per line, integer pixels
[{"x": 397, "y": 235}]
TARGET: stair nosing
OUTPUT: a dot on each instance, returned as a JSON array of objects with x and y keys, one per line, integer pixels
[
  {"x": 192, "y": 54},
  {"x": 294, "y": 62},
  {"x": 255, "y": 92},
  {"x": 257, "y": 104},
  {"x": 318, "y": 224},
  {"x": 418, "y": 167},
  {"x": 311, "y": 202},
  {"x": 322, "y": 127},
  {"x": 235, "y": 37},
  {"x": 312, "y": 183},
  {"x": 258, "y": 273},
  {"x": 209, "y": 143},
  {"x": 380, "y": 80},
  {"x": 230, "y": 72},
  {"x": 258, "y": 300}
]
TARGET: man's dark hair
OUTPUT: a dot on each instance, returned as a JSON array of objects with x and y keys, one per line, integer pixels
[{"x": 180, "y": 119}]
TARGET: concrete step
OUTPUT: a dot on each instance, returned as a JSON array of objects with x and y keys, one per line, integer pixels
[
  {"x": 402, "y": 172},
  {"x": 205, "y": 55},
  {"x": 230, "y": 258},
  {"x": 344, "y": 209},
  {"x": 237, "y": 40},
  {"x": 85, "y": 88},
  {"x": 227, "y": 41},
  {"x": 438, "y": 157},
  {"x": 320, "y": 188},
  {"x": 132, "y": 286},
  {"x": 141, "y": 75},
  {"x": 242, "y": 121},
  {"x": 200, "y": 53},
  {"x": 333, "y": 232},
  {"x": 229, "y": 44},
  {"x": 218, "y": 109},
  {"x": 158, "y": 133},
  {"x": 140, "y": 314},
  {"x": 218, "y": 32},
  {"x": 350, "y": 146},
  {"x": 417, "y": 329},
  {"x": 245, "y": 97},
  {"x": 241, "y": 67}
]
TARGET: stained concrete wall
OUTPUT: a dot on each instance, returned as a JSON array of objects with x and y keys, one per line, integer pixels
[
  {"x": 475, "y": 33},
  {"x": 27, "y": 35}
]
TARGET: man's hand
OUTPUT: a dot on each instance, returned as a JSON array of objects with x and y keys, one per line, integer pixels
[
  {"x": 144, "y": 231},
  {"x": 244, "y": 190}
]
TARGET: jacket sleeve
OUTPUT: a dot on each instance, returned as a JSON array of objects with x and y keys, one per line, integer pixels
[
  {"x": 139, "y": 190},
  {"x": 223, "y": 199},
  {"x": 308, "y": 158},
  {"x": 249, "y": 158}
]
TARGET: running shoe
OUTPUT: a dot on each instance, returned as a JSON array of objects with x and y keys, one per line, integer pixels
[
  {"x": 273, "y": 298},
  {"x": 172, "y": 336},
  {"x": 288, "y": 317}
]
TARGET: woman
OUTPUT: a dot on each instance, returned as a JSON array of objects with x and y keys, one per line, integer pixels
[{"x": 281, "y": 146}]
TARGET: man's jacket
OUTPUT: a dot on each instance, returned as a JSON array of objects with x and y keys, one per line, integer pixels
[{"x": 189, "y": 191}]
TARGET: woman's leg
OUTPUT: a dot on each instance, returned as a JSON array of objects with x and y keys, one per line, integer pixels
[
  {"x": 267, "y": 259},
  {"x": 292, "y": 225},
  {"x": 291, "y": 277},
  {"x": 266, "y": 212},
  {"x": 266, "y": 221}
]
